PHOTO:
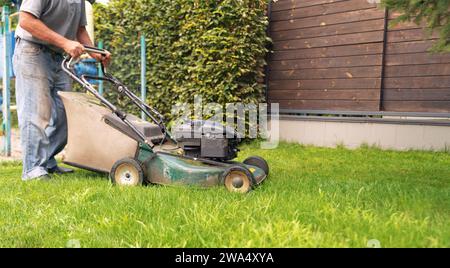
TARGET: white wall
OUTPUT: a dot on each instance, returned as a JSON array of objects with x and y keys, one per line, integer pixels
[{"x": 355, "y": 134}]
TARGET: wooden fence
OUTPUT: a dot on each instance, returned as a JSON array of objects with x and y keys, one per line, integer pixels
[{"x": 341, "y": 55}]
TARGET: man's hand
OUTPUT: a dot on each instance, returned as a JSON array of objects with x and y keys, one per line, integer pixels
[
  {"x": 105, "y": 59},
  {"x": 83, "y": 37},
  {"x": 73, "y": 48}
]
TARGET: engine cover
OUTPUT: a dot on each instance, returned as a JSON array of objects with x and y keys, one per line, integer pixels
[{"x": 207, "y": 139}]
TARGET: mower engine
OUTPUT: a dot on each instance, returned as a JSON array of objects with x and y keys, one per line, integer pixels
[{"x": 207, "y": 140}]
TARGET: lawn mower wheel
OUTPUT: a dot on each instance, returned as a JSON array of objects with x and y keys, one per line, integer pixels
[
  {"x": 258, "y": 162},
  {"x": 238, "y": 179},
  {"x": 127, "y": 172}
]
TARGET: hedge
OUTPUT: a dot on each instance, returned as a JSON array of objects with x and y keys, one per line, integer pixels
[{"x": 215, "y": 48}]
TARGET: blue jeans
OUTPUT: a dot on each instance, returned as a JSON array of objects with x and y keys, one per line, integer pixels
[{"x": 42, "y": 117}]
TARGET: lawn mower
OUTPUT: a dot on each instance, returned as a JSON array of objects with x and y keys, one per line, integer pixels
[{"x": 135, "y": 152}]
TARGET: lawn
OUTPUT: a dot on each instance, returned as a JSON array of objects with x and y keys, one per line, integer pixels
[{"x": 315, "y": 197}]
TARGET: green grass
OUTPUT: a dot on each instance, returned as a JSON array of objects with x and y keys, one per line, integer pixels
[{"x": 315, "y": 197}]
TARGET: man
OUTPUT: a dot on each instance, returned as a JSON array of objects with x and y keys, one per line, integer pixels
[{"x": 47, "y": 29}]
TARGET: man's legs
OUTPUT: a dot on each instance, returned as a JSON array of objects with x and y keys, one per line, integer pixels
[
  {"x": 57, "y": 129},
  {"x": 34, "y": 105}
]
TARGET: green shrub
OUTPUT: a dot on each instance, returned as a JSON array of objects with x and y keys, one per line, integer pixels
[{"x": 212, "y": 48}]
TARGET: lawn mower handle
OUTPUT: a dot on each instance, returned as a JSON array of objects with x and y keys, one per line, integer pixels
[
  {"x": 67, "y": 67},
  {"x": 156, "y": 117},
  {"x": 96, "y": 50}
]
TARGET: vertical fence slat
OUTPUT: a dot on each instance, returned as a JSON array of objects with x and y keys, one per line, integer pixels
[
  {"x": 383, "y": 64},
  {"x": 100, "y": 72},
  {"x": 143, "y": 72},
  {"x": 6, "y": 126}
]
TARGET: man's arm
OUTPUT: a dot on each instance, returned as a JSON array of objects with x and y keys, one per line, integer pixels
[
  {"x": 38, "y": 29},
  {"x": 83, "y": 38}
]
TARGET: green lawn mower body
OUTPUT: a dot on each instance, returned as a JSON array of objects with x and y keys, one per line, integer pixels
[
  {"x": 136, "y": 152},
  {"x": 169, "y": 169}
]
